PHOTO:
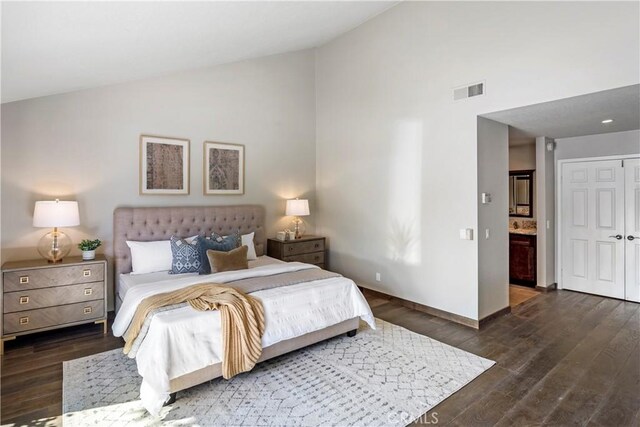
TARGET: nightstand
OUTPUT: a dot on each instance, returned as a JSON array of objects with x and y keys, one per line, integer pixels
[
  {"x": 309, "y": 249},
  {"x": 38, "y": 296}
]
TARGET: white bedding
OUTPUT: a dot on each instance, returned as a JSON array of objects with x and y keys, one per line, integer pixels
[
  {"x": 184, "y": 340},
  {"x": 128, "y": 281}
]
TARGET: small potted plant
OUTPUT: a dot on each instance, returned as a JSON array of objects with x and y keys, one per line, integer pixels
[{"x": 88, "y": 248}]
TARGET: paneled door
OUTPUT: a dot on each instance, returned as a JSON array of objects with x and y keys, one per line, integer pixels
[
  {"x": 632, "y": 226},
  {"x": 593, "y": 227}
]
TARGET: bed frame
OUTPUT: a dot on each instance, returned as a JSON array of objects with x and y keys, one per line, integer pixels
[{"x": 160, "y": 223}]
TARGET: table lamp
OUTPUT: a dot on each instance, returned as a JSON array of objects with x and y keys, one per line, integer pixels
[
  {"x": 55, "y": 245},
  {"x": 297, "y": 208}
]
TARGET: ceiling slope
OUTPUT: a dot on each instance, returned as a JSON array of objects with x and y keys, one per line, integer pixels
[{"x": 57, "y": 47}]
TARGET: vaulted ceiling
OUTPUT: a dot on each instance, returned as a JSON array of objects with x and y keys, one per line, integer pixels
[{"x": 56, "y": 47}]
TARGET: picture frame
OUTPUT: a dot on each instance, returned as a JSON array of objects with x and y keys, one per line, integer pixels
[
  {"x": 223, "y": 168},
  {"x": 164, "y": 165}
]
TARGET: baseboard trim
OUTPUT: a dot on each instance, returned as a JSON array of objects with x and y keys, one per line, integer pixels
[
  {"x": 452, "y": 317},
  {"x": 552, "y": 287}
]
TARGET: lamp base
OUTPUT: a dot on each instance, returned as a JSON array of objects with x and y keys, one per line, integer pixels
[
  {"x": 298, "y": 227},
  {"x": 54, "y": 246}
]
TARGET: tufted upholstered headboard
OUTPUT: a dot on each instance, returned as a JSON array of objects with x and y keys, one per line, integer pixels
[{"x": 149, "y": 224}]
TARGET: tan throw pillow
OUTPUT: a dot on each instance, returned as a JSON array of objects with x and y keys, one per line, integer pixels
[{"x": 235, "y": 259}]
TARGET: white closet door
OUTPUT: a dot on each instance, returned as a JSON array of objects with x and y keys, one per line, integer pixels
[
  {"x": 593, "y": 232},
  {"x": 632, "y": 225}
]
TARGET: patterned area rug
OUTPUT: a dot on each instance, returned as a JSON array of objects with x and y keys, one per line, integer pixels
[{"x": 390, "y": 376}]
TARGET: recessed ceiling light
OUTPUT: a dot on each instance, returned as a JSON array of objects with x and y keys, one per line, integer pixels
[{"x": 607, "y": 121}]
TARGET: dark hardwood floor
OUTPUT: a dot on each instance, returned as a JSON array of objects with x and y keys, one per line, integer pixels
[
  {"x": 563, "y": 358},
  {"x": 31, "y": 371}
]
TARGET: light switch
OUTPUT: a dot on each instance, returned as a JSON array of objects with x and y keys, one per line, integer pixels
[
  {"x": 466, "y": 234},
  {"x": 486, "y": 234},
  {"x": 486, "y": 198}
]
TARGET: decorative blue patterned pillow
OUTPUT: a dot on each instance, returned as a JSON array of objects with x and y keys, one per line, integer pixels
[
  {"x": 216, "y": 243},
  {"x": 186, "y": 256}
]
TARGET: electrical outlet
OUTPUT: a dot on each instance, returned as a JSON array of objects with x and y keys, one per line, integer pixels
[{"x": 378, "y": 277}]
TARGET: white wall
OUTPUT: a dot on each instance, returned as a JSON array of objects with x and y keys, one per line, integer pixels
[
  {"x": 84, "y": 145},
  {"x": 522, "y": 157},
  {"x": 397, "y": 162},
  {"x": 605, "y": 144},
  {"x": 545, "y": 213},
  {"x": 493, "y": 252}
]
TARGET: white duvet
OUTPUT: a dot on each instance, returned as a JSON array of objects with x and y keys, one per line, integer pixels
[{"x": 184, "y": 340}]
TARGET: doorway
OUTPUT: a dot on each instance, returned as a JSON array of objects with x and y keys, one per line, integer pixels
[
  {"x": 598, "y": 126},
  {"x": 600, "y": 227}
]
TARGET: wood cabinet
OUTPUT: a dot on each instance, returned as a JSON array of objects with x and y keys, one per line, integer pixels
[
  {"x": 522, "y": 259},
  {"x": 38, "y": 296},
  {"x": 309, "y": 249}
]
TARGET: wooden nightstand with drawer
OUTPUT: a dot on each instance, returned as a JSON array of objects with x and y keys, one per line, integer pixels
[
  {"x": 309, "y": 249},
  {"x": 38, "y": 296}
]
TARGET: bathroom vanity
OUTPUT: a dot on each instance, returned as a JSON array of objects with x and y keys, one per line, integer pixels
[{"x": 522, "y": 257}]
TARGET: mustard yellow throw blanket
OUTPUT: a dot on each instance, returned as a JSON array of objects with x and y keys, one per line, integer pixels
[{"x": 242, "y": 319}]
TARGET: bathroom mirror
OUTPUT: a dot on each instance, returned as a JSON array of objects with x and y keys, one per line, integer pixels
[{"x": 521, "y": 193}]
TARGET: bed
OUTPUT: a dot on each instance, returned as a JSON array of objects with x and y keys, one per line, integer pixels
[{"x": 182, "y": 347}]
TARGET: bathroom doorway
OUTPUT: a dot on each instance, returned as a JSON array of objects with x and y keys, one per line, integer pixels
[
  {"x": 600, "y": 124},
  {"x": 522, "y": 217}
]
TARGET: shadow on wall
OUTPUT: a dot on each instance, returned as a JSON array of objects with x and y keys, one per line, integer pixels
[
  {"x": 405, "y": 193},
  {"x": 404, "y": 241}
]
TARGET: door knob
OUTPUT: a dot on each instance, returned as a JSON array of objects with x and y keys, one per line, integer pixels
[
  {"x": 617, "y": 236},
  {"x": 631, "y": 238}
]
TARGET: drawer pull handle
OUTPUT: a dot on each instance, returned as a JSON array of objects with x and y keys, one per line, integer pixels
[
  {"x": 88, "y": 291},
  {"x": 24, "y": 320},
  {"x": 317, "y": 245},
  {"x": 87, "y": 310},
  {"x": 290, "y": 248},
  {"x": 86, "y": 273},
  {"x": 317, "y": 257},
  {"x": 24, "y": 300},
  {"x": 24, "y": 279}
]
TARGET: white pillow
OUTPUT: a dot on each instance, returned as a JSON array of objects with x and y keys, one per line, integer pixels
[
  {"x": 149, "y": 257},
  {"x": 247, "y": 240}
]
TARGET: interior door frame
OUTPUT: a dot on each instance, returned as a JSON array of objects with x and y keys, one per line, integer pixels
[{"x": 558, "y": 213}]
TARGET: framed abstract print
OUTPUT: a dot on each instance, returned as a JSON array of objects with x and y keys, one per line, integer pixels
[
  {"x": 164, "y": 165},
  {"x": 223, "y": 168}
]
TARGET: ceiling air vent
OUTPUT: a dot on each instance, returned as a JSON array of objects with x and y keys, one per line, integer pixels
[{"x": 475, "y": 89}]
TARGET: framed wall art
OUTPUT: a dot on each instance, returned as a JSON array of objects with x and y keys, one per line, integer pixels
[
  {"x": 223, "y": 168},
  {"x": 164, "y": 165}
]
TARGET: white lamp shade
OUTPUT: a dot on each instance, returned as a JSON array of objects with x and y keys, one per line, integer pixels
[
  {"x": 56, "y": 214},
  {"x": 297, "y": 207}
]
